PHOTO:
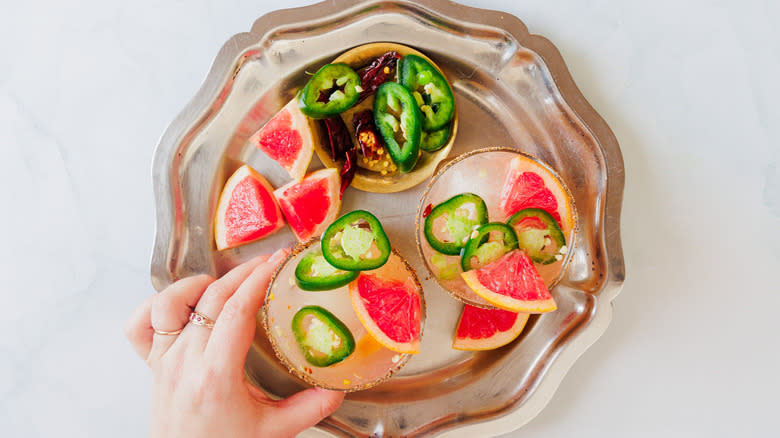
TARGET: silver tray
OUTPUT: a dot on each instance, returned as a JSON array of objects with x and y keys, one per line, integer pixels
[{"x": 513, "y": 89}]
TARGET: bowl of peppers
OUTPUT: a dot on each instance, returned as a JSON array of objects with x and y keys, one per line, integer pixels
[{"x": 387, "y": 116}]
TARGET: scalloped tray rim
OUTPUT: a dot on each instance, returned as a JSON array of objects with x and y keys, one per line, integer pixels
[{"x": 263, "y": 29}]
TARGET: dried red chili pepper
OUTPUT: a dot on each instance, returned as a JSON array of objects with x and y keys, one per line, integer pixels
[
  {"x": 367, "y": 136},
  {"x": 377, "y": 73},
  {"x": 338, "y": 137},
  {"x": 341, "y": 148},
  {"x": 348, "y": 170}
]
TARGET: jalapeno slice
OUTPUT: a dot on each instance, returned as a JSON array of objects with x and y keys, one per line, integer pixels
[
  {"x": 434, "y": 140},
  {"x": 314, "y": 273},
  {"x": 332, "y": 90},
  {"x": 488, "y": 244},
  {"x": 356, "y": 242},
  {"x": 449, "y": 224},
  {"x": 398, "y": 119},
  {"x": 324, "y": 340},
  {"x": 539, "y": 235},
  {"x": 430, "y": 90}
]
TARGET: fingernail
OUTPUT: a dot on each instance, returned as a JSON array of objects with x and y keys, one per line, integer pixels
[
  {"x": 278, "y": 256},
  {"x": 326, "y": 391},
  {"x": 260, "y": 259}
]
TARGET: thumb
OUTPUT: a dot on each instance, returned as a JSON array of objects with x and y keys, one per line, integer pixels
[{"x": 305, "y": 409}]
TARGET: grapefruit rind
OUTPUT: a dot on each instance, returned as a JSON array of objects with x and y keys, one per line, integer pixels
[
  {"x": 505, "y": 302},
  {"x": 552, "y": 182},
  {"x": 220, "y": 229},
  {"x": 499, "y": 339},
  {"x": 304, "y": 126},
  {"x": 373, "y": 329},
  {"x": 334, "y": 181}
]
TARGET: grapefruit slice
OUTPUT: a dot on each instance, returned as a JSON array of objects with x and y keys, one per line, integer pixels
[
  {"x": 486, "y": 329},
  {"x": 246, "y": 210},
  {"x": 288, "y": 139},
  {"x": 312, "y": 204},
  {"x": 511, "y": 283},
  {"x": 390, "y": 311},
  {"x": 530, "y": 185}
]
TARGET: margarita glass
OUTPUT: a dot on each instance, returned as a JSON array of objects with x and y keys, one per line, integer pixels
[
  {"x": 483, "y": 172},
  {"x": 369, "y": 363}
]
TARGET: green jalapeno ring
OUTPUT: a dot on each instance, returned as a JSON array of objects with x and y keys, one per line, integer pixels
[
  {"x": 431, "y": 90},
  {"x": 435, "y": 140},
  {"x": 449, "y": 207},
  {"x": 481, "y": 239},
  {"x": 397, "y": 118},
  {"x": 308, "y": 279},
  {"x": 534, "y": 240},
  {"x": 332, "y": 90},
  {"x": 316, "y": 340},
  {"x": 350, "y": 224}
]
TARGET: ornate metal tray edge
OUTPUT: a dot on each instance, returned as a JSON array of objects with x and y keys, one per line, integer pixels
[{"x": 212, "y": 93}]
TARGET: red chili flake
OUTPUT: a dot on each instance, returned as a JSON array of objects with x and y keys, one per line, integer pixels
[
  {"x": 367, "y": 136},
  {"x": 427, "y": 210},
  {"x": 379, "y": 72},
  {"x": 338, "y": 137}
]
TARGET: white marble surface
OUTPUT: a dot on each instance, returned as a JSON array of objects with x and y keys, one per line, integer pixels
[{"x": 689, "y": 88}]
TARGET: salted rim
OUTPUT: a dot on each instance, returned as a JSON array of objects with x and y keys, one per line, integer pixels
[
  {"x": 263, "y": 313},
  {"x": 374, "y": 182},
  {"x": 572, "y": 244}
]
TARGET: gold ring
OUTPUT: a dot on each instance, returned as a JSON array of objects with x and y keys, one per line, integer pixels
[
  {"x": 198, "y": 318},
  {"x": 164, "y": 333}
]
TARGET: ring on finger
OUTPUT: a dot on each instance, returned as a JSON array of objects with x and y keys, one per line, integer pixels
[
  {"x": 200, "y": 319},
  {"x": 165, "y": 333}
]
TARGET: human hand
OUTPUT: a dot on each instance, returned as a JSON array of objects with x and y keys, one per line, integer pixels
[{"x": 199, "y": 387}]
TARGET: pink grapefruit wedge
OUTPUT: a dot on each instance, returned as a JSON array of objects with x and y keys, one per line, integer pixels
[
  {"x": 390, "y": 311},
  {"x": 511, "y": 283},
  {"x": 531, "y": 185},
  {"x": 312, "y": 204},
  {"x": 486, "y": 329},
  {"x": 287, "y": 138},
  {"x": 246, "y": 210}
]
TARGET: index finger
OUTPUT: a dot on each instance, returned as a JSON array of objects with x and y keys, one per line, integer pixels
[{"x": 234, "y": 330}]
